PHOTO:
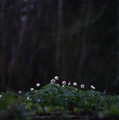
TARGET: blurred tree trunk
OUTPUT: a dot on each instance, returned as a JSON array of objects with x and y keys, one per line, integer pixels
[
  {"x": 84, "y": 47},
  {"x": 58, "y": 41},
  {"x": 16, "y": 56},
  {"x": 3, "y": 39},
  {"x": 116, "y": 82},
  {"x": 35, "y": 37}
]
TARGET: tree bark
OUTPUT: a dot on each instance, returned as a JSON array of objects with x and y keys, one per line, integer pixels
[
  {"x": 116, "y": 82},
  {"x": 84, "y": 48},
  {"x": 3, "y": 37},
  {"x": 58, "y": 41},
  {"x": 15, "y": 59}
]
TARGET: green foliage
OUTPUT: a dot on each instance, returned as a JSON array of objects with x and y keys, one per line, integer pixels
[
  {"x": 68, "y": 98},
  {"x": 55, "y": 99},
  {"x": 110, "y": 112},
  {"x": 6, "y": 100},
  {"x": 9, "y": 108}
]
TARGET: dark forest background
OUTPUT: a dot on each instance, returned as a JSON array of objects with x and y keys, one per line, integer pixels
[{"x": 74, "y": 39}]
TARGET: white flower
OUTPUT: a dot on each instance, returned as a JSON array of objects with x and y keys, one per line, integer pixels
[
  {"x": 38, "y": 84},
  {"x": 64, "y": 82},
  {"x": 19, "y": 91},
  {"x": 82, "y": 86},
  {"x": 56, "y": 78},
  {"x": 75, "y": 84},
  {"x": 0, "y": 96},
  {"x": 58, "y": 84},
  {"x": 38, "y": 100},
  {"x": 52, "y": 81},
  {"x": 69, "y": 83},
  {"x": 92, "y": 87},
  {"x": 28, "y": 98},
  {"x": 46, "y": 108},
  {"x": 31, "y": 89},
  {"x": 76, "y": 88}
]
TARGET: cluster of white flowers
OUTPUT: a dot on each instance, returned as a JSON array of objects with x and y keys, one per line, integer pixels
[
  {"x": 92, "y": 87},
  {"x": 54, "y": 80},
  {"x": 75, "y": 84},
  {"x": 38, "y": 84}
]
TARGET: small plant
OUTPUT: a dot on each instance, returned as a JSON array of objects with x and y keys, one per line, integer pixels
[{"x": 54, "y": 99}]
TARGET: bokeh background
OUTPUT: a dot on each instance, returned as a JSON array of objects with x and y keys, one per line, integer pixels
[{"x": 76, "y": 40}]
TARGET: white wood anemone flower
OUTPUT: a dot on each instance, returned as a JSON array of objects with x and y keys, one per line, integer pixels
[
  {"x": 31, "y": 89},
  {"x": 28, "y": 98},
  {"x": 92, "y": 87},
  {"x": 75, "y": 84},
  {"x": 56, "y": 78},
  {"x": 19, "y": 91},
  {"x": 0, "y": 96},
  {"x": 38, "y": 84},
  {"x": 63, "y": 83},
  {"x": 69, "y": 83},
  {"x": 52, "y": 81},
  {"x": 82, "y": 86}
]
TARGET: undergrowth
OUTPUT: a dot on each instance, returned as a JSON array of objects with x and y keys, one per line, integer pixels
[{"x": 53, "y": 98}]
